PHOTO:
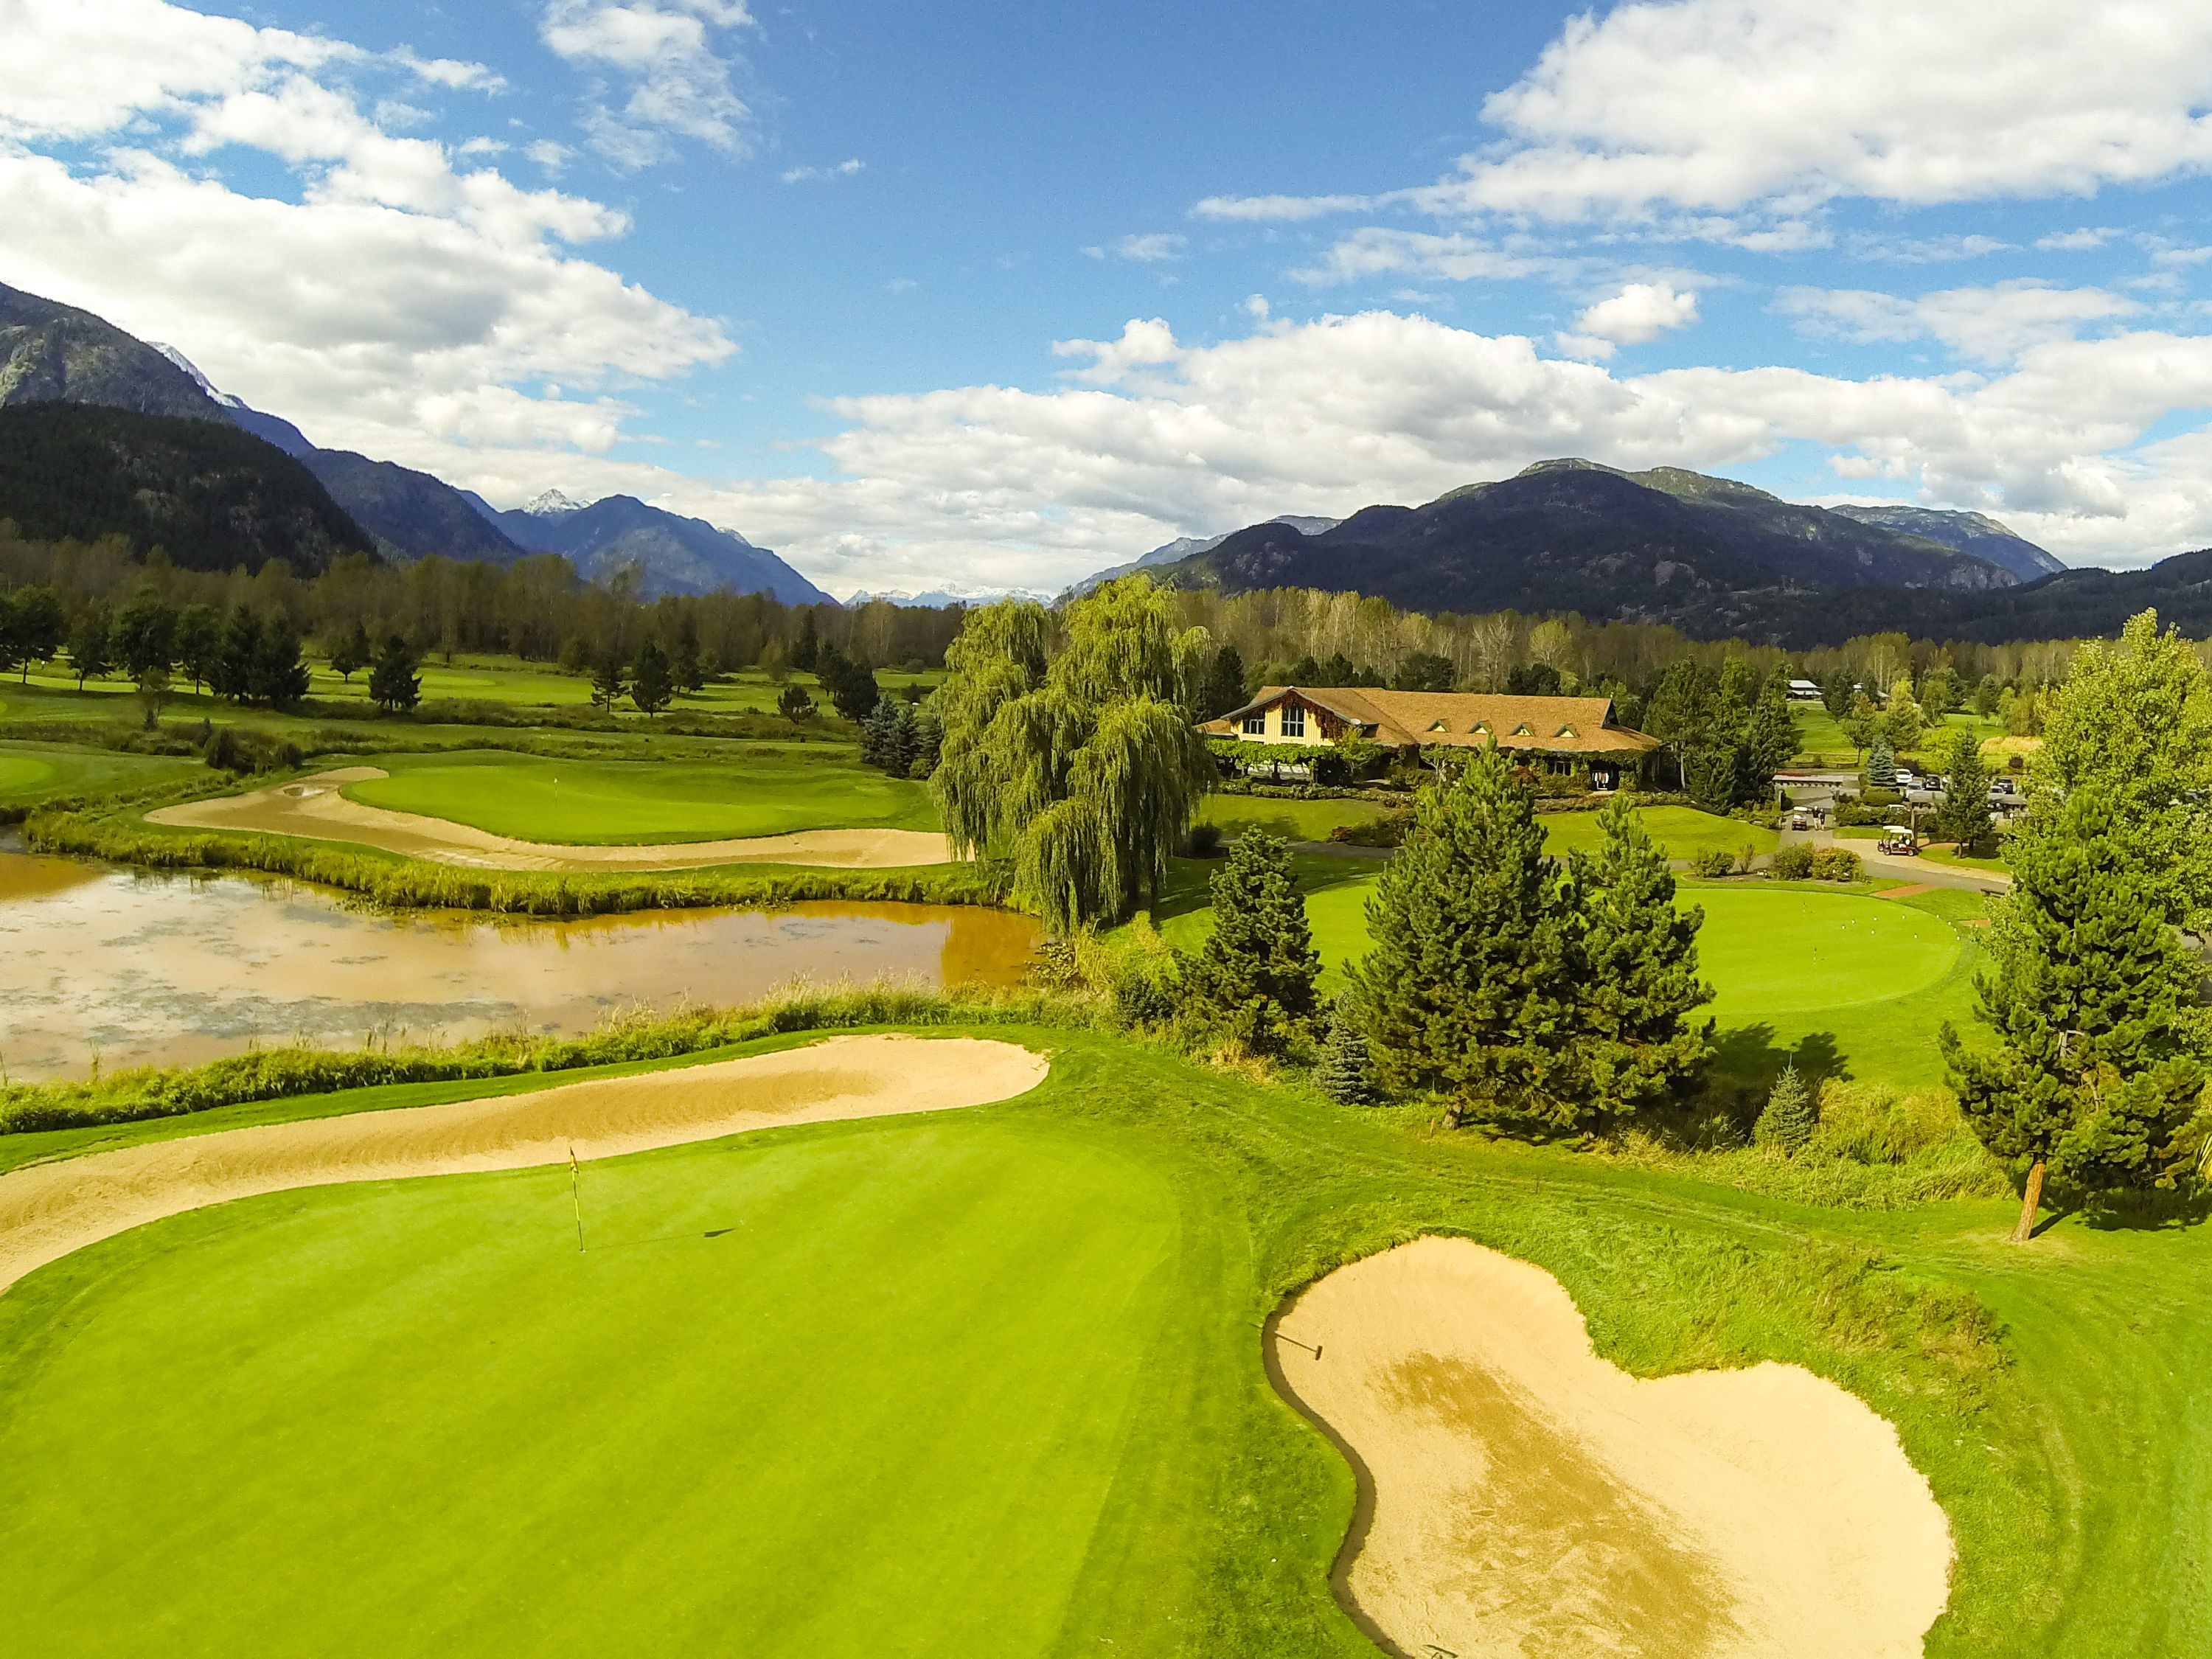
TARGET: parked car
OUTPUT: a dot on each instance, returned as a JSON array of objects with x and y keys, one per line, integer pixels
[
  {"x": 2001, "y": 787},
  {"x": 1799, "y": 820}
]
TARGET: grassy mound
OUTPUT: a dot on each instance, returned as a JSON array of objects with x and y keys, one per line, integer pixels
[
  {"x": 767, "y": 791},
  {"x": 34, "y": 772}
]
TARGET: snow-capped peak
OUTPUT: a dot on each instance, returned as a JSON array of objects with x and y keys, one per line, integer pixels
[
  {"x": 198, "y": 379},
  {"x": 551, "y": 505}
]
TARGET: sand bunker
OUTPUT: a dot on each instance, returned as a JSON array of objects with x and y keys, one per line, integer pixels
[
  {"x": 312, "y": 809},
  {"x": 1522, "y": 1497},
  {"x": 48, "y": 1210}
]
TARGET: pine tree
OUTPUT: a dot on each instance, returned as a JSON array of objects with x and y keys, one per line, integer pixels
[
  {"x": 2096, "y": 1070},
  {"x": 1964, "y": 817},
  {"x": 652, "y": 685},
  {"x": 1255, "y": 973},
  {"x": 609, "y": 681},
  {"x": 684, "y": 662},
  {"x": 1786, "y": 1122},
  {"x": 351, "y": 652},
  {"x": 231, "y": 671},
  {"x": 392, "y": 681},
  {"x": 1634, "y": 964},
  {"x": 279, "y": 675},
  {"x": 1224, "y": 683},
  {"x": 1769, "y": 738},
  {"x": 1881, "y": 763},
  {"x": 1466, "y": 989},
  {"x": 1345, "y": 1075},
  {"x": 807, "y": 651}
]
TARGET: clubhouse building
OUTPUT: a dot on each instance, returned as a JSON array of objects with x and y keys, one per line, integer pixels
[{"x": 1559, "y": 735}]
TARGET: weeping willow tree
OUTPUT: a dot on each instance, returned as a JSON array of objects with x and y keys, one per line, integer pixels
[{"x": 1069, "y": 750}]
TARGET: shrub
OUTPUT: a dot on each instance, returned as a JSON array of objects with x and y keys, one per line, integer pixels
[
  {"x": 1712, "y": 862},
  {"x": 1791, "y": 863},
  {"x": 1204, "y": 842},
  {"x": 1835, "y": 864},
  {"x": 1389, "y": 831},
  {"x": 1790, "y": 1116}
]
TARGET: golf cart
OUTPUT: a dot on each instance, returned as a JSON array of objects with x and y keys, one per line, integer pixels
[{"x": 1898, "y": 842}]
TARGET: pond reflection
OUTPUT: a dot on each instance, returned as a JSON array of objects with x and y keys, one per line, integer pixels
[{"x": 146, "y": 968}]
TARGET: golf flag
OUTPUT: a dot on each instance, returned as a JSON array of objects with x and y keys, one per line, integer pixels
[{"x": 576, "y": 1195}]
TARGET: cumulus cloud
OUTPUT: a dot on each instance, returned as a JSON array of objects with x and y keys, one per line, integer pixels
[
  {"x": 392, "y": 308},
  {"x": 1773, "y": 108},
  {"x": 665, "y": 52},
  {"x": 1158, "y": 439},
  {"x": 1639, "y": 312},
  {"x": 1158, "y": 247},
  {"x": 1984, "y": 325}
]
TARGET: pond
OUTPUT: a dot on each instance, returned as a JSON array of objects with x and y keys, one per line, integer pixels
[{"x": 142, "y": 968}]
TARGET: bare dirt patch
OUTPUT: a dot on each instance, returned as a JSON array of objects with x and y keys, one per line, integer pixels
[
  {"x": 48, "y": 1210},
  {"x": 312, "y": 809},
  {"x": 1523, "y": 1498}
]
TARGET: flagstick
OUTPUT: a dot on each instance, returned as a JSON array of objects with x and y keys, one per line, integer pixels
[{"x": 576, "y": 1192}]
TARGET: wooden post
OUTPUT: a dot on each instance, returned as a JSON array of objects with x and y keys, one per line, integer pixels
[{"x": 2026, "y": 1230}]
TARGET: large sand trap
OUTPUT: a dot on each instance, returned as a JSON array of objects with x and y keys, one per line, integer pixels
[
  {"x": 48, "y": 1210},
  {"x": 312, "y": 809},
  {"x": 1521, "y": 1496}
]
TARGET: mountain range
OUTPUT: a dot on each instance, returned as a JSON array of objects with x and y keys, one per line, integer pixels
[
  {"x": 1185, "y": 547},
  {"x": 54, "y": 355},
  {"x": 1710, "y": 555}
]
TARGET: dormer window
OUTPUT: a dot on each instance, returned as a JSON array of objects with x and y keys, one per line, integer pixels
[
  {"x": 1479, "y": 729},
  {"x": 1524, "y": 730},
  {"x": 1438, "y": 726},
  {"x": 1565, "y": 731}
]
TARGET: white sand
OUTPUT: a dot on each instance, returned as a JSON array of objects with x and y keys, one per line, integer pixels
[
  {"x": 48, "y": 1210},
  {"x": 312, "y": 809},
  {"x": 1530, "y": 1500}
]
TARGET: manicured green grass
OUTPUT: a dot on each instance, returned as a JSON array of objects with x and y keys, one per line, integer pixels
[
  {"x": 1293, "y": 820},
  {"x": 1849, "y": 985},
  {"x": 1951, "y": 855},
  {"x": 34, "y": 772},
  {"x": 1684, "y": 831},
  {"x": 988, "y": 1382},
  {"x": 1821, "y": 741},
  {"x": 764, "y": 792}
]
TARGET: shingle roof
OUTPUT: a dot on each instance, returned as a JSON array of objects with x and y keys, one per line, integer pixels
[{"x": 1463, "y": 720}]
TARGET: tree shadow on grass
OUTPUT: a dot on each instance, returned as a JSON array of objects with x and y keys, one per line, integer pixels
[{"x": 1750, "y": 1057}]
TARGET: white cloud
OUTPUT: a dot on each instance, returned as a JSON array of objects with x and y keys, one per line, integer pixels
[
  {"x": 391, "y": 308},
  {"x": 1158, "y": 247},
  {"x": 665, "y": 52},
  {"x": 1641, "y": 312},
  {"x": 995, "y": 484},
  {"x": 1458, "y": 258},
  {"x": 1983, "y": 324},
  {"x": 1773, "y": 108},
  {"x": 2077, "y": 241},
  {"x": 842, "y": 170}
]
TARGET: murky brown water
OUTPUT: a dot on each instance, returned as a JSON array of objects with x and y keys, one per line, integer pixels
[{"x": 147, "y": 967}]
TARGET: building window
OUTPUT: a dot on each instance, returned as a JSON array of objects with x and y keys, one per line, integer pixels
[
  {"x": 1294, "y": 720},
  {"x": 1255, "y": 724}
]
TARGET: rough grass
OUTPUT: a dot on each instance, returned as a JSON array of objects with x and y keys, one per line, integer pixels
[
  {"x": 765, "y": 791},
  {"x": 928, "y": 1350},
  {"x": 34, "y": 772}
]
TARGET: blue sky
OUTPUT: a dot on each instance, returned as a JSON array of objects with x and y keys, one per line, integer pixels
[{"x": 985, "y": 294}]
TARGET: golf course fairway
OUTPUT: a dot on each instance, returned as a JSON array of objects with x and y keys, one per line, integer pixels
[{"x": 993, "y": 1382}]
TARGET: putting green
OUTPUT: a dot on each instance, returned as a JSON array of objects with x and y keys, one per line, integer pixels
[
  {"x": 630, "y": 803},
  {"x": 857, "y": 1390},
  {"x": 32, "y": 772},
  {"x": 1785, "y": 952}
]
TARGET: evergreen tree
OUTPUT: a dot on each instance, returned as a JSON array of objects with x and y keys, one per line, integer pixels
[
  {"x": 231, "y": 674},
  {"x": 683, "y": 663},
  {"x": 794, "y": 705},
  {"x": 1466, "y": 988},
  {"x": 1345, "y": 1074},
  {"x": 653, "y": 685},
  {"x": 851, "y": 684},
  {"x": 928, "y": 742},
  {"x": 1224, "y": 683},
  {"x": 279, "y": 675},
  {"x": 393, "y": 684},
  {"x": 807, "y": 651},
  {"x": 1837, "y": 691},
  {"x": 88, "y": 643},
  {"x": 1769, "y": 738},
  {"x": 2094, "y": 1002},
  {"x": 609, "y": 681},
  {"x": 1963, "y": 816},
  {"x": 1786, "y": 1122},
  {"x": 1424, "y": 671},
  {"x": 1881, "y": 764},
  {"x": 887, "y": 736},
  {"x": 1633, "y": 959},
  {"x": 1904, "y": 721},
  {"x": 1255, "y": 975},
  {"x": 351, "y": 651}
]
